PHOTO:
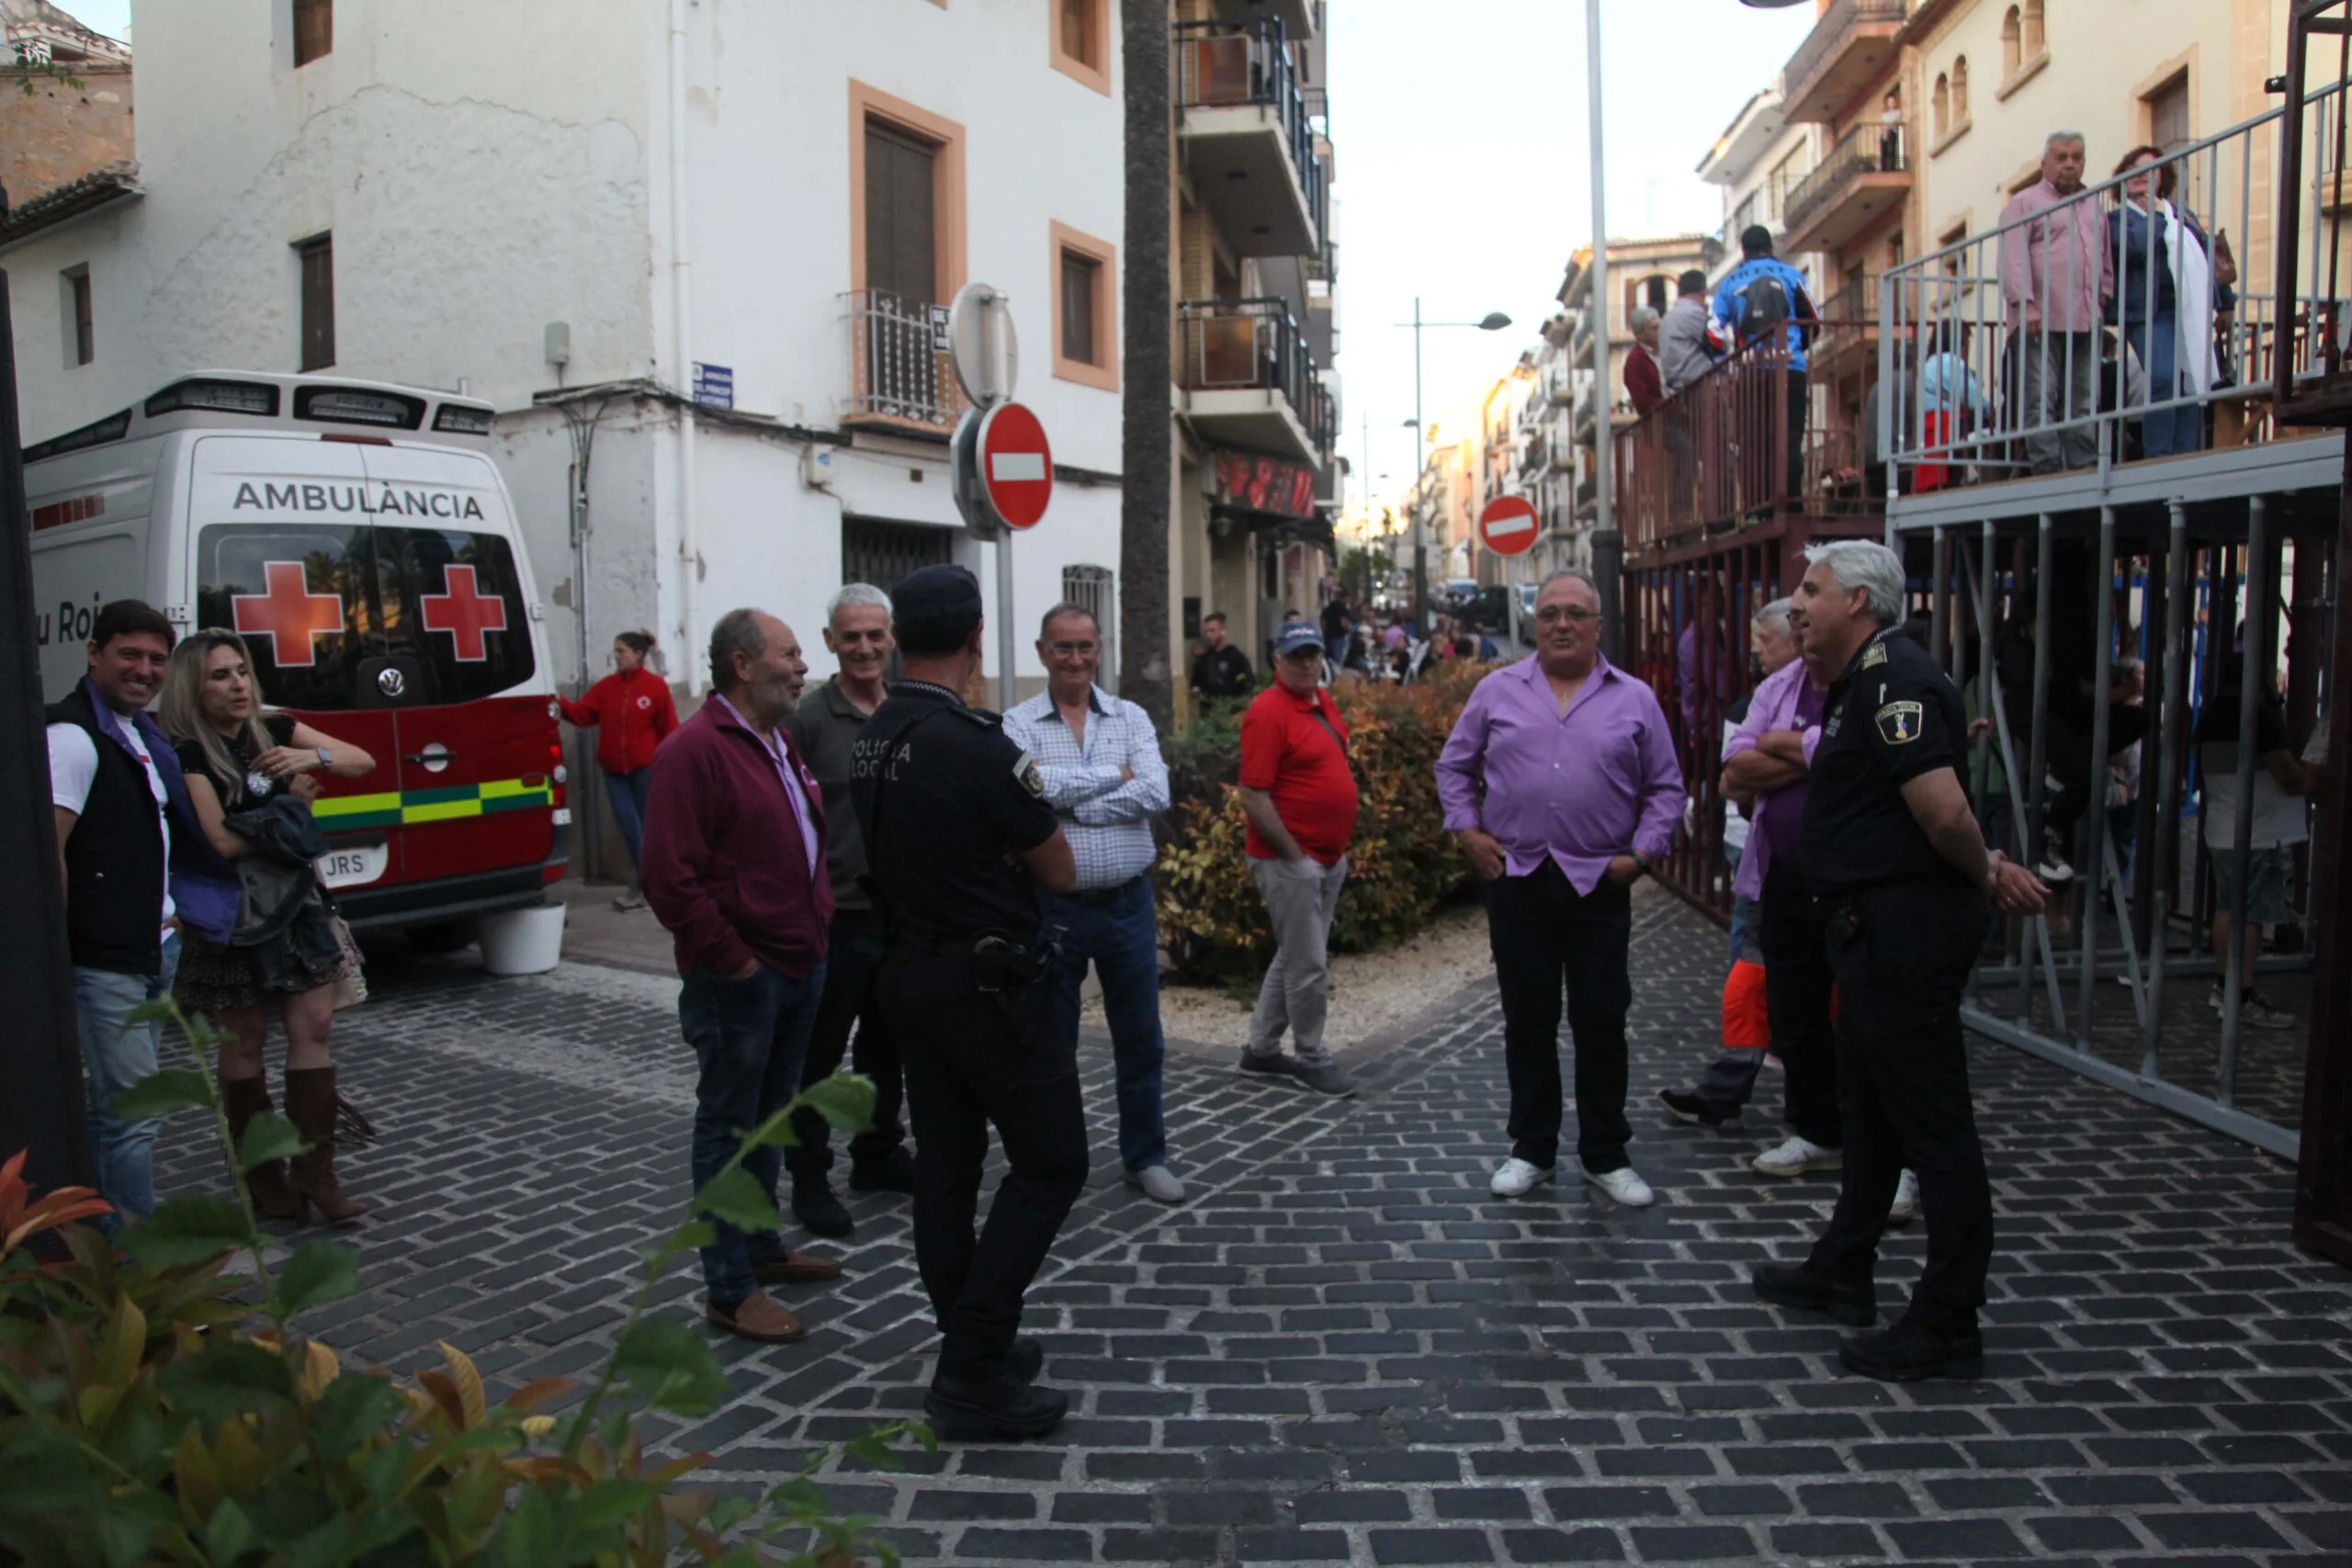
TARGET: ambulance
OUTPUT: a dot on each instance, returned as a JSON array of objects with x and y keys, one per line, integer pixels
[{"x": 359, "y": 538}]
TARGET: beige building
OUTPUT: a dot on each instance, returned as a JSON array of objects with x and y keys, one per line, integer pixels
[{"x": 1256, "y": 403}]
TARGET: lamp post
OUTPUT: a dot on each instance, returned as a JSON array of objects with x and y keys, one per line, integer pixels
[{"x": 1492, "y": 322}]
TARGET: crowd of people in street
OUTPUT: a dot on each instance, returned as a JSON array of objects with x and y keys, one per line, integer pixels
[{"x": 877, "y": 872}]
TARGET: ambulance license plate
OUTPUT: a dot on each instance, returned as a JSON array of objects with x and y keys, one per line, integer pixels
[{"x": 354, "y": 867}]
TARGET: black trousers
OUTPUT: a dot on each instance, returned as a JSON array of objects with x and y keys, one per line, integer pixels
[
  {"x": 1797, "y": 987},
  {"x": 1546, "y": 934},
  {"x": 975, "y": 1061},
  {"x": 1902, "y": 956},
  {"x": 852, "y": 966}
]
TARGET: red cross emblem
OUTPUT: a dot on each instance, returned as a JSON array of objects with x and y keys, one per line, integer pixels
[
  {"x": 287, "y": 613},
  {"x": 464, "y": 614}
]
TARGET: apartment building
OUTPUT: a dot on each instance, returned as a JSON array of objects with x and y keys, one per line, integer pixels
[
  {"x": 1257, "y": 416},
  {"x": 1551, "y": 463},
  {"x": 1757, "y": 159},
  {"x": 718, "y": 368}
]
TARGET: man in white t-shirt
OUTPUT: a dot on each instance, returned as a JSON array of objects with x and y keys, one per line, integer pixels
[
  {"x": 116, "y": 786},
  {"x": 2280, "y": 785}
]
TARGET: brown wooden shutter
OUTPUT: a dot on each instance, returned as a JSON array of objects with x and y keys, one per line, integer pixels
[
  {"x": 318, "y": 301},
  {"x": 1081, "y": 275},
  {"x": 313, "y": 29},
  {"x": 901, "y": 253}
]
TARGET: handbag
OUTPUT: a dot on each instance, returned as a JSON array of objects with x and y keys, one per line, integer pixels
[{"x": 351, "y": 987}]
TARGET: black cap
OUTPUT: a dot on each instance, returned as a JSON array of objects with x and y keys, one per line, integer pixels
[{"x": 933, "y": 611}]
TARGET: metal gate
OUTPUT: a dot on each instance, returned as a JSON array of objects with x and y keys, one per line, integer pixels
[{"x": 884, "y": 554}]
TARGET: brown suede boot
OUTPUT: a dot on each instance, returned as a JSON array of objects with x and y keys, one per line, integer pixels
[
  {"x": 244, "y": 1098},
  {"x": 309, "y": 1104}
]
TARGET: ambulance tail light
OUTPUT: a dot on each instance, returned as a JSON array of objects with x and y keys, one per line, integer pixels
[{"x": 557, "y": 775}]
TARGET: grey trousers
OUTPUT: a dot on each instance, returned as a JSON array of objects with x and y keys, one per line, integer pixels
[
  {"x": 2060, "y": 376},
  {"x": 1301, "y": 897}
]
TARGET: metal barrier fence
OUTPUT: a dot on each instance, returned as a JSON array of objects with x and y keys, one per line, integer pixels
[{"x": 2113, "y": 323}]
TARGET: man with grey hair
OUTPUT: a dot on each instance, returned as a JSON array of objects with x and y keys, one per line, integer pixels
[
  {"x": 1900, "y": 877},
  {"x": 824, "y": 727},
  {"x": 2057, "y": 275},
  {"x": 734, "y": 839}
]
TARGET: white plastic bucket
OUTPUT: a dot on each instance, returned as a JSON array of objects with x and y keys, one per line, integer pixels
[{"x": 523, "y": 942}]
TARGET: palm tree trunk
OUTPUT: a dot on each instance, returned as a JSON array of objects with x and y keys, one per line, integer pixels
[{"x": 1146, "y": 675}]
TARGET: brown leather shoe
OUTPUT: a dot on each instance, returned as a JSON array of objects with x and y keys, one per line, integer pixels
[
  {"x": 757, "y": 1317},
  {"x": 797, "y": 1269}
]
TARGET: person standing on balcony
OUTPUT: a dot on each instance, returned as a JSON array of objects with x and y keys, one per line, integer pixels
[
  {"x": 1581, "y": 796},
  {"x": 1644, "y": 387},
  {"x": 2169, "y": 287},
  {"x": 2057, "y": 274},
  {"x": 1686, "y": 350},
  {"x": 1763, "y": 295}
]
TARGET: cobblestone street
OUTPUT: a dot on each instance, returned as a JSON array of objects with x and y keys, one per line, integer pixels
[{"x": 1342, "y": 1350}]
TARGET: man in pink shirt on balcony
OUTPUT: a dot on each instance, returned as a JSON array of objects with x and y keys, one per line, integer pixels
[
  {"x": 2057, "y": 272},
  {"x": 1582, "y": 796}
]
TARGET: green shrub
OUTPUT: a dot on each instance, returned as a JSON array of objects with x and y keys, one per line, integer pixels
[
  {"x": 156, "y": 1410},
  {"x": 1404, "y": 865}
]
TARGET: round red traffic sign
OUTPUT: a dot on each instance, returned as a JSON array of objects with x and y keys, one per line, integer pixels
[
  {"x": 1508, "y": 526},
  {"x": 1016, "y": 463}
]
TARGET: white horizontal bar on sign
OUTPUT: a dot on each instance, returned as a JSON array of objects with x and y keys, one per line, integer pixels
[{"x": 1016, "y": 467}]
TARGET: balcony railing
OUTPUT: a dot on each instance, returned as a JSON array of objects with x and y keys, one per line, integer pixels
[
  {"x": 898, "y": 371},
  {"x": 1868, "y": 148},
  {"x": 1848, "y": 322},
  {"x": 1238, "y": 65},
  {"x": 2097, "y": 377},
  {"x": 1236, "y": 346},
  {"x": 1829, "y": 37}
]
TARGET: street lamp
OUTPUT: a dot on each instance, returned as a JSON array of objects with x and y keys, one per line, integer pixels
[{"x": 1492, "y": 322}]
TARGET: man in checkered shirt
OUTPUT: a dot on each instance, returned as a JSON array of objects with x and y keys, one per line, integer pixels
[{"x": 1105, "y": 780}]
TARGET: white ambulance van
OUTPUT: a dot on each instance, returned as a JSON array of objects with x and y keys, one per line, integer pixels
[{"x": 359, "y": 538}]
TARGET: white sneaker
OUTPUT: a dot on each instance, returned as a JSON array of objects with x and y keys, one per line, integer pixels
[
  {"x": 1159, "y": 1183},
  {"x": 1515, "y": 1177},
  {"x": 1907, "y": 1200},
  {"x": 1795, "y": 1157},
  {"x": 1624, "y": 1185}
]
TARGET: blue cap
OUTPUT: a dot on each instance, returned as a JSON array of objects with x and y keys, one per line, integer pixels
[{"x": 1296, "y": 635}]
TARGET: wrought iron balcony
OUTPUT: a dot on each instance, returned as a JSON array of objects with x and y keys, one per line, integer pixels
[
  {"x": 1849, "y": 48},
  {"x": 1247, "y": 137},
  {"x": 1865, "y": 177},
  {"x": 1250, "y": 378},
  {"x": 899, "y": 369}
]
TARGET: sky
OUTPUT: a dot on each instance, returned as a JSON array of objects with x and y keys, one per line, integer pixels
[{"x": 1460, "y": 137}]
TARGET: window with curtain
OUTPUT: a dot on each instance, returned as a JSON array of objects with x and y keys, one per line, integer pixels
[{"x": 2012, "y": 43}]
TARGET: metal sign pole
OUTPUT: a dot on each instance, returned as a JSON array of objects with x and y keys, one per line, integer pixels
[{"x": 1006, "y": 645}]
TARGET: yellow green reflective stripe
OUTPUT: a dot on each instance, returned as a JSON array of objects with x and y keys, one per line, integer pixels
[{"x": 446, "y": 803}]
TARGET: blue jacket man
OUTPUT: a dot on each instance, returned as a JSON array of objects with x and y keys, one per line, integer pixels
[{"x": 1735, "y": 302}]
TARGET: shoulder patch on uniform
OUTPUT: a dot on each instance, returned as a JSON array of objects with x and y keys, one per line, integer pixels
[
  {"x": 1899, "y": 723},
  {"x": 1876, "y": 656},
  {"x": 1025, "y": 768}
]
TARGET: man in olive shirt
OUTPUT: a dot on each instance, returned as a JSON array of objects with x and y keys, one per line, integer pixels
[{"x": 857, "y": 631}]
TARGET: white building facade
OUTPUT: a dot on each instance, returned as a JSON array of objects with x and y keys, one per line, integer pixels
[{"x": 591, "y": 212}]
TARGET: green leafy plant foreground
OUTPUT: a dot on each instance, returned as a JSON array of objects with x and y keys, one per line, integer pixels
[
  {"x": 1404, "y": 865},
  {"x": 157, "y": 1408}
]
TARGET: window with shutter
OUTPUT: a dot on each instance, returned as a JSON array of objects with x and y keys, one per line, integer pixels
[
  {"x": 901, "y": 249},
  {"x": 1081, "y": 275},
  {"x": 314, "y": 31},
  {"x": 316, "y": 260},
  {"x": 1086, "y": 347},
  {"x": 80, "y": 338},
  {"x": 2168, "y": 114}
]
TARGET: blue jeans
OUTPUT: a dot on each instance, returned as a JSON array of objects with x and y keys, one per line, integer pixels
[
  {"x": 116, "y": 1056},
  {"x": 2164, "y": 431},
  {"x": 1118, "y": 930},
  {"x": 627, "y": 793},
  {"x": 748, "y": 1037}
]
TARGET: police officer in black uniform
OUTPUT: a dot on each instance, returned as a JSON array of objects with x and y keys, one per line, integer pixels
[
  {"x": 958, "y": 837},
  {"x": 1890, "y": 845}
]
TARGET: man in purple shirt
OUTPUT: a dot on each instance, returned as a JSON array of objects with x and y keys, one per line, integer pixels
[
  {"x": 2057, "y": 273},
  {"x": 1582, "y": 796}
]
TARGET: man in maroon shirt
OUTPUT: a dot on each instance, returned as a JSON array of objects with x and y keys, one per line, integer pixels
[
  {"x": 1299, "y": 791},
  {"x": 1644, "y": 387},
  {"x": 734, "y": 870}
]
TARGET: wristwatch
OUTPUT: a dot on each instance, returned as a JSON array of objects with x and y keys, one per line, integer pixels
[{"x": 326, "y": 760}]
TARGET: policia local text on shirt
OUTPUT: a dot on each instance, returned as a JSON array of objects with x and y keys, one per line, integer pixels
[
  {"x": 1891, "y": 846},
  {"x": 958, "y": 837}
]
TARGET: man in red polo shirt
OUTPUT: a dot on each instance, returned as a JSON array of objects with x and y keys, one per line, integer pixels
[{"x": 1300, "y": 794}]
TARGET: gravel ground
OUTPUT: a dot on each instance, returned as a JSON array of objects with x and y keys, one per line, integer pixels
[{"x": 1370, "y": 992}]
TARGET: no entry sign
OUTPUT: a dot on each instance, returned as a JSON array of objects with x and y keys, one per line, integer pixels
[
  {"x": 1016, "y": 465},
  {"x": 1508, "y": 526}
]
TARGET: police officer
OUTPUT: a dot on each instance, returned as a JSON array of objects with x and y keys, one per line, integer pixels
[
  {"x": 958, "y": 837},
  {"x": 1890, "y": 845}
]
